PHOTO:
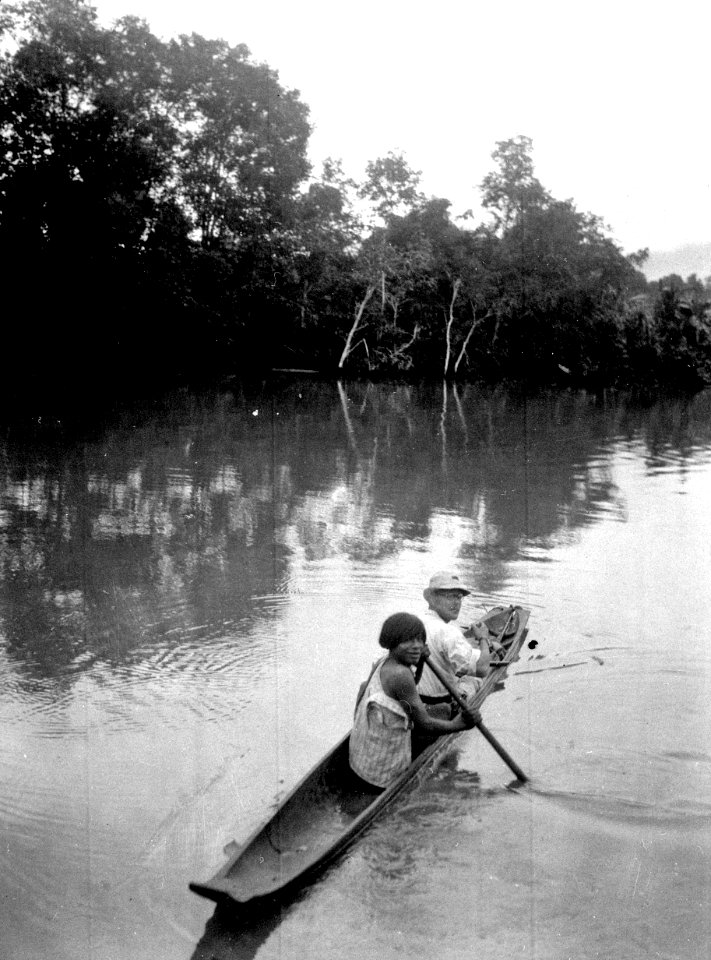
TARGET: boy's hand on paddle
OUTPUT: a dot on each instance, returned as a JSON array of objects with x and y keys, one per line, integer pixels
[{"x": 470, "y": 718}]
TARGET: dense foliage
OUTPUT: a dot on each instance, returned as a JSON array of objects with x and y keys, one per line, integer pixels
[{"x": 159, "y": 218}]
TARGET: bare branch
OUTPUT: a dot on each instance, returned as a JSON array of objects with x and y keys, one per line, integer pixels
[
  {"x": 475, "y": 324},
  {"x": 448, "y": 324},
  {"x": 360, "y": 309}
]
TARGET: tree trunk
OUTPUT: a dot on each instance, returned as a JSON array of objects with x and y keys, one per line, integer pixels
[
  {"x": 475, "y": 323},
  {"x": 496, "y": 331},
  {"x": 360, "y": 309},
  {"x": 304, "y": 303},
  {"x": 448, "y": 326}
]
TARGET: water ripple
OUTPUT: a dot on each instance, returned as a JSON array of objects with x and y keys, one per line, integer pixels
[
  {"x": 688, "y": 756},
  {"x": 614, "y": 808}
]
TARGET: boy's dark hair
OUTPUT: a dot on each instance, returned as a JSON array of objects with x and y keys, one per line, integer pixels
[{"x": 399, "y": 628}]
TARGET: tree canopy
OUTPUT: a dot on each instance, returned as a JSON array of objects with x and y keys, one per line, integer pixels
[{"x": 159, "y": 218}]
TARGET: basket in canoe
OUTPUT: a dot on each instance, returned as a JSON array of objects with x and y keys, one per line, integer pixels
[{"x": 324, "y": 813}]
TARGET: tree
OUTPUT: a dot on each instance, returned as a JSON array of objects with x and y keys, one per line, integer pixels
[
  {"x": 391, "y": 187},
  {"x": 511, "y": 190},
  {"x": 117, "y": 147},
  {"x": 326, "y": 233},
  {"x": 639, "y": 257},
  {"x": 80, "y": 172},
  {"x": 387, "y": 262},
  {"x": 78, "y": 120},
  {"x": 563, "y": 282},
  {"x": 242, "y": 140},
  {"x": 393, "y": 271},
  {"x": 448, "y": 281}
]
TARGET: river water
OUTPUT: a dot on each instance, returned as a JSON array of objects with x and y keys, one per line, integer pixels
[{"x": 191, "y": 593}]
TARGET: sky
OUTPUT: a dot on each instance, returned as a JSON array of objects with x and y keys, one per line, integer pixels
[{"x": 614, "y": 95}]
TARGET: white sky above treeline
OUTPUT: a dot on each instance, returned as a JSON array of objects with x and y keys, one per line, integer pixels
[{"x": 615, "y": 95}]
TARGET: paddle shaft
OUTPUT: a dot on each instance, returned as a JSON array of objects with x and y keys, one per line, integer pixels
[{"x": 486, "y": 733}]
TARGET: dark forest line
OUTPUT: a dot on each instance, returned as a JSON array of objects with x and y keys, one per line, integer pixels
[{"x": 159, "y": 221}]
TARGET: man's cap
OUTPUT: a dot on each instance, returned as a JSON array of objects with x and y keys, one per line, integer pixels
[{"x": 446, "y": 581}]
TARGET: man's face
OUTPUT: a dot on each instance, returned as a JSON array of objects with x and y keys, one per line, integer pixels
[{"x": 447, "y": 603}]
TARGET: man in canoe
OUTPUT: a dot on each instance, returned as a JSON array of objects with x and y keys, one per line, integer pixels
[
  {"x": 389, "y": 708},
  {"x": 463, "y": 655}
]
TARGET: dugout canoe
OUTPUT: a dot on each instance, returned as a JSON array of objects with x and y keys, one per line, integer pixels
[{"x": 323, "y": 814}]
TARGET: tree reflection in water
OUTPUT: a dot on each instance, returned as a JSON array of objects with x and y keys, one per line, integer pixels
[{"x": 180, "y": 519}]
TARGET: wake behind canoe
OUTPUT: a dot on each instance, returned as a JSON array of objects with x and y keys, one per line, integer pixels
[{"x": 325, "y": 811}]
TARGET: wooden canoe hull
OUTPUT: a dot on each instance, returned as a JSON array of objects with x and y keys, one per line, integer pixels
[{"x": 325, "y": 811}]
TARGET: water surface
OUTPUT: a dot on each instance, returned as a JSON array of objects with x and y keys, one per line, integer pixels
[{"x": 191, "y": 594}]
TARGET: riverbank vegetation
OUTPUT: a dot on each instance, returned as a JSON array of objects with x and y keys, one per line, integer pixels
[{"x": 159, "y": 219}]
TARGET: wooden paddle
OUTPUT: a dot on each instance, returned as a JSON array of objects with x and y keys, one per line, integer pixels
[{"x": 487, "y": 734}]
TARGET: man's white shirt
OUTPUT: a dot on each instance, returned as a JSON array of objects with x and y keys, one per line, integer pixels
[{"x": 449, "y": 650}]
